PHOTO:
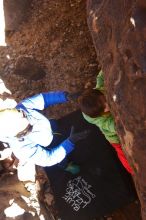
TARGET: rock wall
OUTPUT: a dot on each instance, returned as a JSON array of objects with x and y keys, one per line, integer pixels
[
  {"x": 15, "y": 12},
  {"x": 118, "y": 29}
]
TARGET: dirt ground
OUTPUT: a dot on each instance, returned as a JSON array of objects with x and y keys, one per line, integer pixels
[{"x": 56, "y": 37}]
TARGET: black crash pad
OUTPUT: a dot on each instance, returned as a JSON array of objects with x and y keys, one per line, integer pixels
[{"x": 102, "y": 185}]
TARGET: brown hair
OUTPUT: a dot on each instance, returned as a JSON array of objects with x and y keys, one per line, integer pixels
[{"x": 92, "y": 102}]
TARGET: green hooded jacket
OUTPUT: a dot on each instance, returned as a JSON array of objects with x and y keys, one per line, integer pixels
[{"x": 105, "y": 122}]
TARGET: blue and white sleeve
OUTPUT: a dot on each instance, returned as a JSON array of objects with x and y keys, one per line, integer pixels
[
  {"x": 44, "y": 100},
  {"x": 41, "y": 156},
  {"x": 52, "y": 98},
  {"x": 44, "y": 157}
]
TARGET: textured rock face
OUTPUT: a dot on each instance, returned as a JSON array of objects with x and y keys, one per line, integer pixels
[
  {"x": 54, "y": 38},
  {"x": 118, "y": 29},
  {"x": 15, "y": 12}
]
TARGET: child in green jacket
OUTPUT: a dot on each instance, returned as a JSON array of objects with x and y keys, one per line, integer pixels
[{"x": 95, "y": 110}]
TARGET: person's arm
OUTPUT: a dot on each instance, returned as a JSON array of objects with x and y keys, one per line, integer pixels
[
  {"x": 43, "y": 100},
  {"x": 42, "y": 156},
  {"x": 100, "y": 82},
  {"x": 52, "y": 98},
  {"x": 26, "y": 151}
]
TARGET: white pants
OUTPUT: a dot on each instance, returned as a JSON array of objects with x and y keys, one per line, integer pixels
[{"x": 26, "y": 171}]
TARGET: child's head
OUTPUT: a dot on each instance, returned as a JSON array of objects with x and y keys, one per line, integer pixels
[{"x": 92, "y": 102}]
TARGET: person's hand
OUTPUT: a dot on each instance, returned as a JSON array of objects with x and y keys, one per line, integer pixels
[
  {"x": 77, "y": 136},
  {"x": 72, "y": 96}
]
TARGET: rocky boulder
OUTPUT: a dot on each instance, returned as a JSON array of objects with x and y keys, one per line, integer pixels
[{"x": 119, "y": 34}]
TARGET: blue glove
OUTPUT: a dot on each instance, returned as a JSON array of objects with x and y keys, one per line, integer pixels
[{"x": 72, "y": 96}]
